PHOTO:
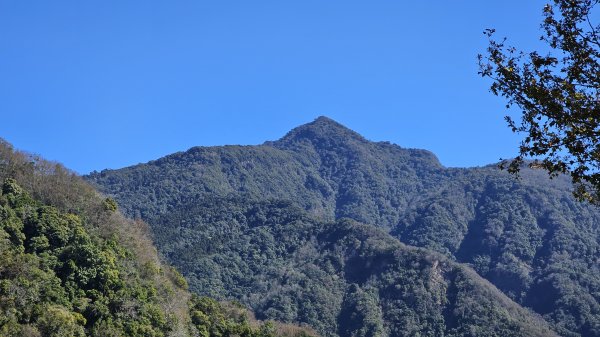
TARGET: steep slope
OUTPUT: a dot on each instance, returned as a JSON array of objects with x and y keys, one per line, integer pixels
[
  {"x": 327, "y": 169},
  {"x": 72, "y": 265},
  {"x": 527, "y": 236},
  {"x": 343, "y": 278}
]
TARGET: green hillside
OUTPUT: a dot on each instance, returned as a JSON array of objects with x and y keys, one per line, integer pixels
[
  {"x": 343, "y": 278},
  {"x": 71, "y": 265},
  {"x": 528, "y": 237}
]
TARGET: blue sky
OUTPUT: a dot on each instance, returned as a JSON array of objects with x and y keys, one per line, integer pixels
[{"x": 107, "y": 84}]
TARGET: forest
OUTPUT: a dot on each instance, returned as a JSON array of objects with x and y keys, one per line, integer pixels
[
  {"x": 72, "y": 265},
  {"x": 240, "y": 220},
  {"x": 315, "y": 230}
]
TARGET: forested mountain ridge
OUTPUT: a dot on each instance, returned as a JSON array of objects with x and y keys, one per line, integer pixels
[
  {"x": 343, "y": 278},
  {"x": 71, "y": 266},
  {"x": 320, "y": 165},
  {"x": 529, "y": 237}
]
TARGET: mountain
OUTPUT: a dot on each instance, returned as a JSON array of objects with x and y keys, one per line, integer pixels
[
  {"x": 71, "y": 265},
  {"x": 343, "y": 278},
  {"x": 528, "y": 236}
]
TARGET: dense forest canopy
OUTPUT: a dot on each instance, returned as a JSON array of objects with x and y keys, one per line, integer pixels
[
  {"x": 529, "y": 236},
  {"x": 71, "y": 265}
]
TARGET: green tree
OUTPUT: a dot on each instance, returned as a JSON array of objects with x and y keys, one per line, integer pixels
[
  {"x": 59, "y": 322},
  {"x": 558, "y": 94}
]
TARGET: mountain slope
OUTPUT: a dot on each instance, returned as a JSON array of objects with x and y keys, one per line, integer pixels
[
  {"x": 528, "y": 236},
  {"x": 343, "y": 278},
  {"x": 71, "y": 265}
]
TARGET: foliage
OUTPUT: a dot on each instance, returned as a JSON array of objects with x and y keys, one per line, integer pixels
[
  {"x": 557, "y": 93},
  {"x": 71, "y": 265},
  {"x": 341, "y": 278},
  {"x": 212, "y": 318},
  {"x": 58, "y": 280},
  {"x": 529, "y": 237}
]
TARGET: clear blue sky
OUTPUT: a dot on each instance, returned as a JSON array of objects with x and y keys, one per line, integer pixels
[{"x": 107, "y": 84}]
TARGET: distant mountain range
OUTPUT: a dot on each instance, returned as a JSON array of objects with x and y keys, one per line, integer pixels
[{"x": 361, "y": 238}]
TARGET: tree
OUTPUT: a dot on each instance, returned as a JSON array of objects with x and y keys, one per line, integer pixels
[{"x": 558, "y": 93}]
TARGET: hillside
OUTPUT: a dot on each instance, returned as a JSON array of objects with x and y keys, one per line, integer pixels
[
  {"x": 528, "y": 237},
  {"x": 342, "y": 278},
  {"x": 71, "y": 265}
]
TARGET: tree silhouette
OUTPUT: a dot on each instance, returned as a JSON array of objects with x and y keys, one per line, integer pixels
[{"x": 558, "y": 94}]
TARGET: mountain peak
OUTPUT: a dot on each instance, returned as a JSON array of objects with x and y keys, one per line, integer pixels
[
  {"x": 324, "y": 120},
  {"x": 321, "y": 129}
]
